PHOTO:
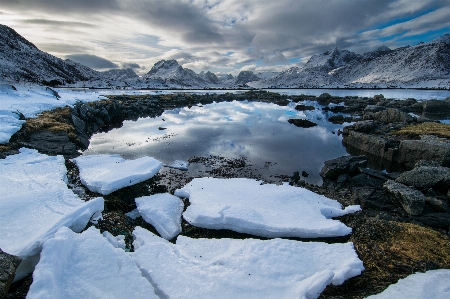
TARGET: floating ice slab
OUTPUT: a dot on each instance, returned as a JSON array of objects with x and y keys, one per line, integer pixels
[
  {"x": 229, "y": 268},
  {"x": 163, "y": 211},
  {"x": 35, "y": 202},
  {"x": 246, "y": 206},
  {"x": 434, "y": 284},
  {"x": 86, "y": 265},
  {"x": 105, "y": 174}
]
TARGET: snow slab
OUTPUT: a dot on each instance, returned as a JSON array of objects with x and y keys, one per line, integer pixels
[
  {"x": 247, "y": 206},
  {"x": 105, "y": 174},
  {"x": 250, "y": 268},
  {"x": 86, "y": 265},
  {"x": 163, "y": 211},
  {"x": 36, "y": 202},
  {"x": 434, "y": 284}
]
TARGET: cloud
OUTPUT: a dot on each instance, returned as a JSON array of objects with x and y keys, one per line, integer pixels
[
  {"x": 92, "y": 61},
  {"x": 131, "y": 66}
]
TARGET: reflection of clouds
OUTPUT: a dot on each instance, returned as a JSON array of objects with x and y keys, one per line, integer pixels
[{"x": 228, "y": 148}]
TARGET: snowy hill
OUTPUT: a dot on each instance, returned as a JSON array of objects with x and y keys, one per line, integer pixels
[
  {"x": 20, "y": 61},
  {"x": 422, "y": 65}
]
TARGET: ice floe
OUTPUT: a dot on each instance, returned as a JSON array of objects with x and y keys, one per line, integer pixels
[
  {"x": 105, "y": 174},
  {"x": 35, "y": 203},
  {"x": 163, "y": 211},
  {"x": 86, "y": 265},
  {"x": 434, "y": 284},
  {"x": 229, "y": 268},
  {"x": 248, "y": 206}
]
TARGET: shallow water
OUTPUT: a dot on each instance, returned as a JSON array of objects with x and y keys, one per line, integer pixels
[{"x": 258, "y": 131}]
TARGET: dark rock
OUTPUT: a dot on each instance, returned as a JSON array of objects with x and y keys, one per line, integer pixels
[
  {"x": 412, "y": 151},
  {"x": 78, "y": 123},
  {"x": 364, "y": 126},
  {"x": 339, "y": 119},
  {"x": 304, "y": 107},
  {"x": 52, "y": 143},
  {"x": 373, "y": 108},
  {"x": 342, "y": 165},
  {"x": 372, "y": 198},
  {"x": 436, "y": 107},
  {"x": 303, "y": 123},
  {"x": 426, "y": 177},
  {"x": 8, "y": 266},
  {"x": 305, "y": 174},
  {"x": 374, "y": 173},
  {"x": 412, "y": 200},
  {"x": 437, "y": 205},
  {"x": 439, "y": 220}
]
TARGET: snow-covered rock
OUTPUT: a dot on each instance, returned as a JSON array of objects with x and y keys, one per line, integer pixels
[
  {"x": 247, "y": 206},
  {"x": 86, "y": 265},
  {"x": 163, "y": 211},
  {"x": 228, "y": 268},
  {"x": 434, "y": 284},
  {"x": 105, "y": 174},
  {"x": 35, "y": 203}
]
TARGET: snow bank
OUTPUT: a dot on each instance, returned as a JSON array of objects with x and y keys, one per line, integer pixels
[
  {"x": 105, "y": 174},
  {"x": 163, "y": 211},
  {"x": 9, "y": 124},
  {"x": 246, "y": 206},
  {"x": 35, "y": 202},
  {"x": 433, "y": 284},
  {"x": 228, "y": 268},
  {"x": 86, "y": 265}
]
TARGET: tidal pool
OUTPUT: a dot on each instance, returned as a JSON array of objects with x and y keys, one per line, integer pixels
[{"x": 259, "y": 132}]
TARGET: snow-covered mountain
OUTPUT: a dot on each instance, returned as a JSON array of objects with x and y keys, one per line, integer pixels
[
  {"x": 422, "y": 65},
  {"x": 20, "y": 60}
]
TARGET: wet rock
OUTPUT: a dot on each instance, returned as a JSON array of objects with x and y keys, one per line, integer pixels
[
  {"x": 412, "y": 151},
  {"x": 342, "y": 165},
  {"x": 304, "y": 108},
  {"x": 372, "y": 198},
  {"x": 8, "y": 266},
  {"x": 303, "y": 123},
  {"x": 364, "y": 126},
  {"x": 426, "y": 177},
  {"x": 412, "y": 201},
  {"x": 374, "y": 108},
  {"x": 374, "y": 173}
]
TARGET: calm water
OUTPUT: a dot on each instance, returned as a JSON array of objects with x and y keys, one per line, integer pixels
[{"x": 258, "y": 131}]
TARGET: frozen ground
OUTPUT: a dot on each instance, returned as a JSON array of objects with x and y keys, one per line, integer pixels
[
  {"x": 228, "y": 268},
  {"x": 163, "y": 211},
  {"x": 105, "y": 174},
  {"x": 35, "y": 203},
  {"x": 86, "y": 265},
  {"x": 247, "y": 206},
  {"x": 434, "y": 284}
]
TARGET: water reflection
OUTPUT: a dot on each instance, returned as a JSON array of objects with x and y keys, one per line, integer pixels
[{"x": 258, "y": 131}]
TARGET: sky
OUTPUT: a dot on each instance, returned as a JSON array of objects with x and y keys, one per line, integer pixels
[{"x": 222, "y": 36}]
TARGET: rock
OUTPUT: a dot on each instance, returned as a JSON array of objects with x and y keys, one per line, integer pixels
[
  {"x": 374, "y": 173},
  {"x": 8, "y": 266},
  {"x": 378, "y": 97},
  {"x": 372, "y": 198},
  {"x": 392, "y": 115},
  {"x": 373, "y": 108},
  {"x": 439, "y": 220},
  {"x": 437, "y": 205},
  {"x": 303, "y": 123},
  {"x": 78, "y": 123},
  {"x": 426, "y": 177},
  {"x": 412, "y": 151},
  {"x": 412, "y": 201},
  {"x": 436, "y": 107},
  {"x": 339, "y": 119},
  {"x": 342, "y": 165},
  {"x": 364, "y": 126},
  {"x": 368, "y": 143},
  {"x": 304, "y": 108},
  {"x": 52, "y": 143}
]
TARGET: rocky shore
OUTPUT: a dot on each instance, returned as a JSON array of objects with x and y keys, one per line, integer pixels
[{"x": 398, "y": 171}]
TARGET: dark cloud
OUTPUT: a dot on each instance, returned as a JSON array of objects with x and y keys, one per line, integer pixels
[
  {"x": 92, "y": 61},
  {"x": 58, "y": 23},
  {"x": 131, "y": 66},
  {"x": 71, "y": 6}
]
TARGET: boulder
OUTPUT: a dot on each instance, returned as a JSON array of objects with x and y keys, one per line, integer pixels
[
  {"x": 8, "y": 266},
  {"x": 436, "y": 107},
  {"x": 411, "y": 151},
  {"x": 392, "y": 115},
  {"x": 364, "y": 126},
  {"x": 437, "y": 205},
  {"x": 342, "y": 165},
  {"x": 52, "y": 143},
  {"x": 426, "y": 177},
  {"x": 439, "y": 220},
  {"x": 412, "y": 200}
]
